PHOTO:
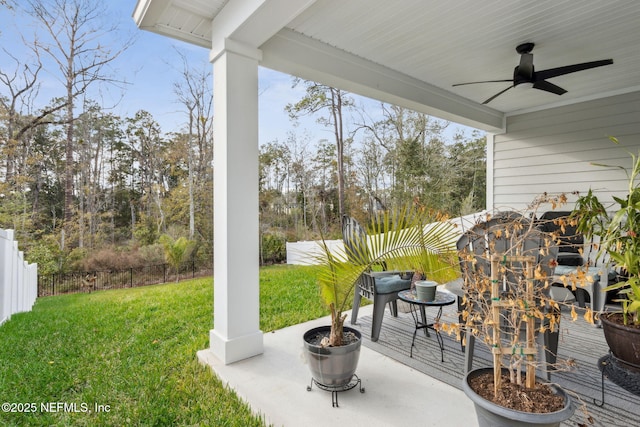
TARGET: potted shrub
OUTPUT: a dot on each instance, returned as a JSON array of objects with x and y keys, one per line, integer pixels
[
  {"x": 399, "y": 239},
  {"x": 617, "y": 227},
  {"x": 507, "y": 265}
]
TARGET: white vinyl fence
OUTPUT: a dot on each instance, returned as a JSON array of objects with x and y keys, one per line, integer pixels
[
  {"x": 307, "y": 252},
  {"x": 18, "y": 278}
]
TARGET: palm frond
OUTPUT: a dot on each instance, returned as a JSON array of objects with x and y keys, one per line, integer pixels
[{"x": 408, "y": 238}]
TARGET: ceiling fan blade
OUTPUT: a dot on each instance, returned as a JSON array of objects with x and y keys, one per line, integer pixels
[
  {"x": 548, "y": 87},
  {"x": 560, "y": 71},
  {"x": 496, "y": 95},
  {"x": 486, "y": 81}
]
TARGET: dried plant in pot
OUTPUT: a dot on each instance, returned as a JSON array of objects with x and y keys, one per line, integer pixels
[
  {"x": 399, "y": 239},
  {"x": 507, "y": 264}
]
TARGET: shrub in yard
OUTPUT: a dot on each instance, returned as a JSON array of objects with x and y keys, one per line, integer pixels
[
  {"x": 75, "y": 258},
  {"x": 273, "y": 249},
  {"x": 46, "y": 253},
  {"x": 152, "y": 254},
  {"x": 112, "y": 258},
  {"x": 176, "y": 251}
]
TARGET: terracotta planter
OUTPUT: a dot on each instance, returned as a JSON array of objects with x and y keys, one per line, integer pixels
[
  {"x": 493, "y": 415},
  {"x": 623, "y": 341}
]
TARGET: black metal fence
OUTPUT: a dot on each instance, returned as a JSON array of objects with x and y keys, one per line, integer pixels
[{"x": 89, "y": 281}]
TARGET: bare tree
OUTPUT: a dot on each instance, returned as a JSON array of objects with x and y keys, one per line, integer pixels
[
  {"x": 147, "y": 148},
  {"x": 334, "y": 101},
  {"x": 76, "y": 31},
  {"x": 20, "y": 83},
  {"x": 195, "y": 93}
]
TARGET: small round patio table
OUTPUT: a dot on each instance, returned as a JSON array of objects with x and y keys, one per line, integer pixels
[{"x": 442, "y": 299}]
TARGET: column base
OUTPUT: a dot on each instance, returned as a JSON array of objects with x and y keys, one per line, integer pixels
[{"x": 235, "y": 349}]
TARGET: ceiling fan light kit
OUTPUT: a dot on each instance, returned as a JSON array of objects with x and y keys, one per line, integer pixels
[{"x": 525, "y": 76}]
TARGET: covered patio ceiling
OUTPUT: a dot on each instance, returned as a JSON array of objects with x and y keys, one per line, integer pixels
[{"x": 411, "y": 52}]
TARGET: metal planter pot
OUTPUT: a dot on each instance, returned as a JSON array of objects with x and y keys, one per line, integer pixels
[
  {"x": 332, "y": 366},
  {"x": 492, "y": 415}
]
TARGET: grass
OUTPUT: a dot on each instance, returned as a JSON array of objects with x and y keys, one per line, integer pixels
[{"x": 133, "y": 351}]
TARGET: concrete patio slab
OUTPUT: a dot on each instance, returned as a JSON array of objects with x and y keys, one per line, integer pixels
[{"x": 275, "y": 386}]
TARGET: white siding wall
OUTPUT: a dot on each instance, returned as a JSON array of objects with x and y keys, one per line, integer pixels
[{"x": 551, "y": 151}]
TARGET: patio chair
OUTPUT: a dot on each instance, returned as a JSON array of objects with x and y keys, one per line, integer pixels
[
  {"x": 491, "y": 237},
  {"x": 381, "y": 287},
  {"x": 571, "y": 251}
]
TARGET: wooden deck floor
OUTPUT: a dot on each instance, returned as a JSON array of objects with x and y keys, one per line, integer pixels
[{"x": 580, "y": 341}]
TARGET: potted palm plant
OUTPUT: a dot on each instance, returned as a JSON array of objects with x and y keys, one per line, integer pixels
[
  {"x": 617, "y": 227},
  {"x": 507, "y": 266},
  {"x": 398, "y": 238}
]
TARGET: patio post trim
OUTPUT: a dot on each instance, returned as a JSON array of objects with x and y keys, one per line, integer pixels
[
  {"x": 236, "y": 334},
  {"x": 489, "y": 202}
]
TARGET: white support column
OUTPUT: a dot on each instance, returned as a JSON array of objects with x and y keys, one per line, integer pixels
[
  {"x": 236, "y": 334},
  {"x": 489, "y": 202}
]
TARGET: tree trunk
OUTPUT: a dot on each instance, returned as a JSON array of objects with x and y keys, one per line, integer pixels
[
  {"x": 192, "y": 214},
  {"x": 68, "y": 165},
  {"x": 336, "y": 102},
  {"x": 336, "y": 337}
]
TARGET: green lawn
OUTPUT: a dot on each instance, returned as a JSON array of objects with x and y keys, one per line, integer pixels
[{"x": 133, "y": 352}]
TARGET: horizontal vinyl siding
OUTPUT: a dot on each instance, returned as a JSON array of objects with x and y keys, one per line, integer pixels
[{"x": 552, "y": 151}]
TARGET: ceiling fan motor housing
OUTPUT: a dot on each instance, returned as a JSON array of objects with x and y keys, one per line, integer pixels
[{"x": 521, "y": 76}]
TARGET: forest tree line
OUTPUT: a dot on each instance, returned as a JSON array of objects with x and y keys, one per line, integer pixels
[{"x": 85, "y": 189}]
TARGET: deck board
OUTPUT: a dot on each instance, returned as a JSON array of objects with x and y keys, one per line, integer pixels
[{"x": 582, "y": 342}]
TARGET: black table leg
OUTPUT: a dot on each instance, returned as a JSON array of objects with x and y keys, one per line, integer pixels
[{"x": 422, "y": 324}]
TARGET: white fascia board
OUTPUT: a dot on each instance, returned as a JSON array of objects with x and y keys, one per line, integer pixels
[
  {"x": 252, "y": 22},
  {"x": 148, "y": 13},
  {"x": 296, "y": 54}
]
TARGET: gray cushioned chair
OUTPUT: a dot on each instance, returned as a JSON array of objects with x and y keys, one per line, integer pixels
[{"x": 380, "y": 287}]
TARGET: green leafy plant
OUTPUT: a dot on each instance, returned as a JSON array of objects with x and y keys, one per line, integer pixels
[
  {"x": 176, "y": 251},
  {"x": 618, "y": 228},
  {"x": 401, "y": 240}
]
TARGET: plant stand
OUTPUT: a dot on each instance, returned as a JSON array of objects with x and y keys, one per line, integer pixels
[
  {"x": 355, "y": 381},
  {"x": 615, "y": 370}
]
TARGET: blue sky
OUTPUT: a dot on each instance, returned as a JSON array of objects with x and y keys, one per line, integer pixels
[{"x": 152, "y": 66}]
